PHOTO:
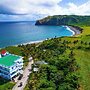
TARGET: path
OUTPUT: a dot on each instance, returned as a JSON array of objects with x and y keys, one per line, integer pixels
[{"x": 24, "y": 79}]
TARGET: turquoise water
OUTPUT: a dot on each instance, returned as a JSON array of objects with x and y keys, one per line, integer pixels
[{"x": 23, "y": 32}]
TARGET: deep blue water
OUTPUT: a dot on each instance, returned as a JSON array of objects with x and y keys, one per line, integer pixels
[{"x": 23, "y": 32}]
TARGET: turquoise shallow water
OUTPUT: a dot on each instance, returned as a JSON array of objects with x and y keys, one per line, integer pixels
[{"x": 23, "y": 32}]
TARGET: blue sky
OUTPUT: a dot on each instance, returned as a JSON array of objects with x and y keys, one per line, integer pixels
[
  {"x": 78, "y": 2},
  {"x": 23, "y": 10}
]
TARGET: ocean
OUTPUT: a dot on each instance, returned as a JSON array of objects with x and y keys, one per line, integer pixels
[{"x": 14, "y": 33}]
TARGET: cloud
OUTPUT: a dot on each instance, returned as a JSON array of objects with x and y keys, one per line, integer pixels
[
  {"x": 35, "y": 9},
  {"x": 25, "y": 6},
  {"x": 13, "y": 7},
  {"x": 9, "y": 11},
  {"x": 83, "y": 9}
]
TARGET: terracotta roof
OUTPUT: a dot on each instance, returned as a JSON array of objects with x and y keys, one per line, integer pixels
[{"x": 3, "y": 51}]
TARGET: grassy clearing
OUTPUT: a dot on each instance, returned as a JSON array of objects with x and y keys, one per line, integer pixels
[
  {"x": 6, "y": 84},
  {"x": 85, "y": 36},
  {"x": 83, "y": 59},
  {"x": 86, "y": 31},
  {"x": 14, "y": 50}
]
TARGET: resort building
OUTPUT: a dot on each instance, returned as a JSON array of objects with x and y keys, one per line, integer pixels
[{"x": 10, "y": 65}]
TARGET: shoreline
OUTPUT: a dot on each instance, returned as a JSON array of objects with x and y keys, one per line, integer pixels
[
  {"x": 73, "y": 29},
  {"x": 31, "y": 42},
  {"x": 70, "y": 28},
  {"x": 73, "y": 32}
]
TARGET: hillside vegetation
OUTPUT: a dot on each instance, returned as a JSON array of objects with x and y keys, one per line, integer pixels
[
  {"x": 65, "y": 20},
  {"x": 57, "y": 52},
  {"x": 67, "y": 58}
]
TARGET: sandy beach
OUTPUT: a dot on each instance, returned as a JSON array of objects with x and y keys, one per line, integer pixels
[
  {"x": 73, "y": 30},
  {"x": 32, "y": 42},
  {"x": 68, "y": 28},
  {"x": 76, "y": 31}
]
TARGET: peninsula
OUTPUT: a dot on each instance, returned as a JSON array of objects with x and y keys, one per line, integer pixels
[
  {"x": 74, "y": 22},
  {"x": 64, "y": 20}
]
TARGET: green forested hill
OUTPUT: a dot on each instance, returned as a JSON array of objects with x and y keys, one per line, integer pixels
[{"x": 65, "y": 20}]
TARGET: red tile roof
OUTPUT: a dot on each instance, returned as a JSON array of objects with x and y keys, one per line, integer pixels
[{"x": 3, "y": 51}]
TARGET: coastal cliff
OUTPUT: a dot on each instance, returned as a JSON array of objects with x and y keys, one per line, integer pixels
[{"x": 65, "y": 20}]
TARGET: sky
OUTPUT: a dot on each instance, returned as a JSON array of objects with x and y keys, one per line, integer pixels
[{"x": 30, "y": 10}]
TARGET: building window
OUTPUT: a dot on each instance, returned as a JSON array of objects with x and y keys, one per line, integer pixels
[
  {"x": 12, "y": 67},
  {"x": 13, "y": 73}
]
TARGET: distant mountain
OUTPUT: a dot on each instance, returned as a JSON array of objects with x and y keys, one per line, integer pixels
[{"x": 64, "y": 20}]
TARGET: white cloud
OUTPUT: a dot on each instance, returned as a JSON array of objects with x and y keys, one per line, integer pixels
[
  {"x": 79, "y": 10},
  {"x": 39, "y": 8},
  {"x": 38, "y": 2},
  {"x": 27, "y": 6}
]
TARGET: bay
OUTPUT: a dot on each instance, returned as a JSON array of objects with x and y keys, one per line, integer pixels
[{"x": 13, "y": 33}]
